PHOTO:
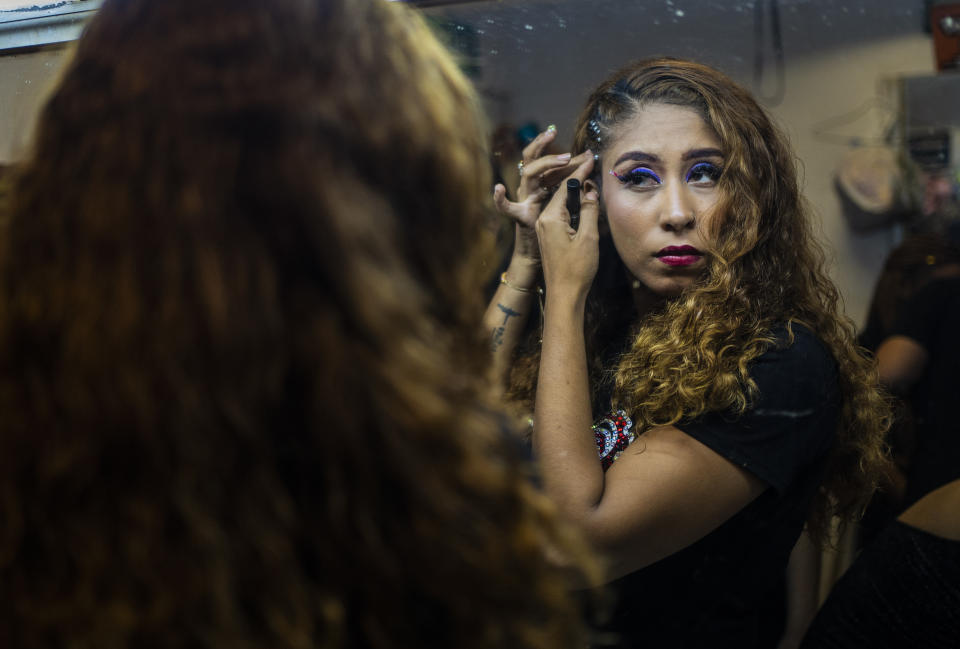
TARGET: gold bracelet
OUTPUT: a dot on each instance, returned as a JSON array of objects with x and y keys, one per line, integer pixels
[
  {"x": 503, "y": 280},
  {"x": 537, "y": 289}
]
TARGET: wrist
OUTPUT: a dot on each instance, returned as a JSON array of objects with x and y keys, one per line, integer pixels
[
  {"x": 535, "y": 290},
  {"x": 566, "y": 303},
  {"x": 522, "y": 272}
]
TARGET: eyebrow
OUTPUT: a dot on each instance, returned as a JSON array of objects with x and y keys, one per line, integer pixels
[
  {"x": 642, "y": 156},
  {"x": 703, "y": 153}
]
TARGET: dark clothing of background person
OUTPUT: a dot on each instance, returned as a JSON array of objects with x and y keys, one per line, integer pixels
[
  {"x": 932, "y": 320},
  {"x": 711, "y": 593},
  {"x": 903, "y": 592}
]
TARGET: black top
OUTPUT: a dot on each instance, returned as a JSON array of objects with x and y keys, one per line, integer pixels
[
  {"x": 903, "y": 592},
  {"x": 709, "y": 594},
  {"x": 872, "y": 334},
  {"x": 932, "y": 318}
]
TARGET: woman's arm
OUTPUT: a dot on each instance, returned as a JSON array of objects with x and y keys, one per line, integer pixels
[
  {"x": 517, "y": 297},
  {"x": 803, "y": 591},
  {"x": 664, "y": 492},
  {"x": 901, "y": 362}
]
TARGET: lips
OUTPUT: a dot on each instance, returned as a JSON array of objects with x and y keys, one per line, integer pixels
[{"x": 679, "y": 255}]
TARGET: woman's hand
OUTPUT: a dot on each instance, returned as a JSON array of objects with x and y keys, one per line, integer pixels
[
  {"x": 570, "y": 257},
  {"x": 539, "y": 175}
]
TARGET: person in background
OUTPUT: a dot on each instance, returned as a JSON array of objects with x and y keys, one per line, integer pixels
[
  {"x": 918, "y": 361},
  {"x": 903, "y": 591},
  {"x": 697, "y": 396},
  {"x": 245, "y": 398},
  {"x": 917, "y": 261}
]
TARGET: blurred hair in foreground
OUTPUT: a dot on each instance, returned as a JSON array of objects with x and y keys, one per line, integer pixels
[{"x": 243, "y": 389}]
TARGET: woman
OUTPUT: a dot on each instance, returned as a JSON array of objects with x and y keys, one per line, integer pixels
[
  {"x": 917, "y": 260},
  {"x": 920, "y": 260},
  {"x": 903, "y": 590},
  {"x": 691, "y": 313},
  {"x": 239, "y": 376}
]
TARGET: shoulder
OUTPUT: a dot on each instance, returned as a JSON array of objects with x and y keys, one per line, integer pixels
[
  {"x": 930, "y": 312},
  {"x": 796, "y": 341},
  {"x": 947, "y": 288},
  {"x": 941, "y": 294},
  {"x": 797, "y": 357},
  {"x": 793, "y": 412}
]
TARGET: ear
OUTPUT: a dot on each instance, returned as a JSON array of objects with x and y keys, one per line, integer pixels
[{"x": 589, "y": 184}]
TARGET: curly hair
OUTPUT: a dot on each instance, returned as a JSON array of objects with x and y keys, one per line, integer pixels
[
  {"x": 765, "y": 270},
  {"x": 244, "y": 391}
]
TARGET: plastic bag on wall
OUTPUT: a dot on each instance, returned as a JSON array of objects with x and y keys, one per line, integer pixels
[{"x": 873, "y": 186}]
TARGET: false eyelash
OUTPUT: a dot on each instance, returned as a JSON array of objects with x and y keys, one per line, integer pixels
[
  {"x": 635, "y": 175},
  {"x": 711, "y": 170}
]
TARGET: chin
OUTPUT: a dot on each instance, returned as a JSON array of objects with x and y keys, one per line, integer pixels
[
  {"x": 672, "y": 290},
  {"x": 668, "y": 287}
]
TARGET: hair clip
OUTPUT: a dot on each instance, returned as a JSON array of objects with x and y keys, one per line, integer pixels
[{"x": 594, "y": 127}]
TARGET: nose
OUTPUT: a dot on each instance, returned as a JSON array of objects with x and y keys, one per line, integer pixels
[{"x": 678, "y": 212}]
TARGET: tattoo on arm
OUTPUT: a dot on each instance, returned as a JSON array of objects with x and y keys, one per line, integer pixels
[
  {"x": 508, "y": 313},
  {"x": 498, "y": 332}
]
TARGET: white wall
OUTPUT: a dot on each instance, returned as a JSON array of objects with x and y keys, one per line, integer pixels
[
  {"x": 25, "y": 80},
  {"x": 821, "y": 87}
]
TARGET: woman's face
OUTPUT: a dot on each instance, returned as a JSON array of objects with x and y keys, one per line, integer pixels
[{"x": 659, "y": 190}]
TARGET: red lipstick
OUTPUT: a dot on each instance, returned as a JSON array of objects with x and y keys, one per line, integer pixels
[{"x": 679, "y": 255}]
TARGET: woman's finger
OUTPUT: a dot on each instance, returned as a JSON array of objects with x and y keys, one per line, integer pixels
[
  {"x": 554, "y": 177},
  {"x": 535, "y": 149},
  {"x": 589, "y": 214},
  {"x": 536, "y": 170},
  {"x": 550, "y": 172},
  {"x": 500, "y": 200},
  {"x": 585, "y": 166},
  {"x": 557, "y": 209},
  {"x": 525, "y": 212}
]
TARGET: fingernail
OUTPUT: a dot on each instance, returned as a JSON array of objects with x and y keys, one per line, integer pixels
[
  {"x": 551, "y": 128},
  {"x": 563, "y": 157},
  {"x": 592, "y": 195}
]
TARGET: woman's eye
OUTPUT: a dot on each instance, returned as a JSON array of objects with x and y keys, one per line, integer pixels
[
  {"x": 640, "y": 177},
  {"x": 704, "y": 173}
]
